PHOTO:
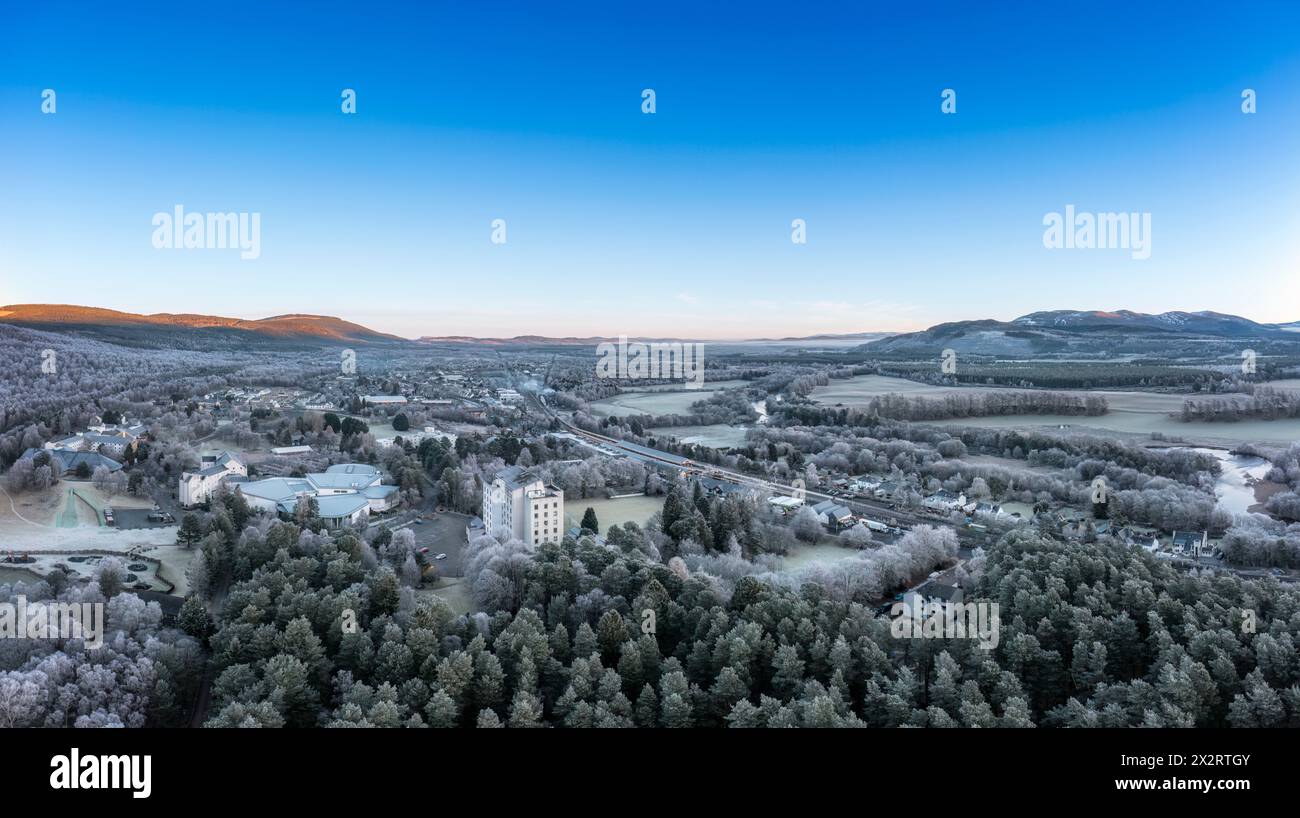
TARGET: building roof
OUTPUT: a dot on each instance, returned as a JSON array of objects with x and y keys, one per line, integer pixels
[
  {"x": 936, "y": 590},
  {"x": 516, "y": 477},
  {"x": 351, "y": 468},
  {"x": 67, "y": 460},
  {"x": 277, "y": 489},
  {"x": 378, "y": 492},
  {"x": 338, "y": 481},
  {"x": 337, "y": 506}
]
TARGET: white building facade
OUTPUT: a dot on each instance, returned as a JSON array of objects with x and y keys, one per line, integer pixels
[
  {"x": 195, "y": 487},
  {"x": 519, "y": 504}
]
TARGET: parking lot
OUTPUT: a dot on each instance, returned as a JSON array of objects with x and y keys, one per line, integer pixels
[
  {"x": 444, "y": 534},
  {"x": 139, "y": 518}
]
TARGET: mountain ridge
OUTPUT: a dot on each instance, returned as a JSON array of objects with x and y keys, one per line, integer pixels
[{"x": 97, "y": 320}]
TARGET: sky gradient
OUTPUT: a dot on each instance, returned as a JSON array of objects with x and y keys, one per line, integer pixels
[{"x": 676, "y": 223}]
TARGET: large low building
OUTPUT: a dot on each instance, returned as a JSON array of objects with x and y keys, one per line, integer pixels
[
  {"x": 67, "y": 461},
  {"x": 345, "y": 493},
  {"x": 195, "y": 487},
  {"x": 415, "y": 438},
  {"x": 110, "y": 441},
  {"x": 519, "y": 504}
]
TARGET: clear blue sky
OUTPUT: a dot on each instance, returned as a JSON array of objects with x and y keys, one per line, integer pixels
[{"x": 672, "y": 224}]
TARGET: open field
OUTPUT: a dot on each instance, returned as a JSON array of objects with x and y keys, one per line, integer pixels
[
  {"x": 657, "y": 400},
  {"x": 451, "y": 590},
  {"x": 1137, "y": 413},
  {"x": 716, "y": 436},
  {"x": 804, "y": 555},
  {"x": 612, "y": 512},
  {"x": 858, "y": 390},
  {"x": 1274, "y": 432}
]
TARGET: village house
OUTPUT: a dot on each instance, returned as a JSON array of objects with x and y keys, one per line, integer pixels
[
  {"x": 944, "y": 501},
  {"x": 1191, "y": 543},
  {"x": 833, "y": 515}
]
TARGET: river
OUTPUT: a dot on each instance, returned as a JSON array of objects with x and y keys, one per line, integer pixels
[{"x": 1237, "y": 474}]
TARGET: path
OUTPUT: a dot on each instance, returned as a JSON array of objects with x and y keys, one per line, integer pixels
[{"x": 16, "y": 512}]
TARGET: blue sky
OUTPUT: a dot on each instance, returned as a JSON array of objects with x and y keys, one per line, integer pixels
[{"x": 676, "y": 223}]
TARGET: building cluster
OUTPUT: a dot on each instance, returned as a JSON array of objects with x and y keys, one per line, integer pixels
[
  {"x": 415, "y": 437},
  {"x": 344, "y": 493},
  {"x": 104, "y": 446}
]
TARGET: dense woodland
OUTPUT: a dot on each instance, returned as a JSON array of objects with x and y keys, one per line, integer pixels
[{"x": 1092, "y": 635}]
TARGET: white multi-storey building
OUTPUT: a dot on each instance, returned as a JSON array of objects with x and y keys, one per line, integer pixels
[
  {"x": 519, "y": 504},
  {"x": 196, "y": 487}
]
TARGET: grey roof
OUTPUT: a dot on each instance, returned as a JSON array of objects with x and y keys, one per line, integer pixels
[
  {"x": 935, "y": 590},
  {"x": 516, "y": 477},
  {"x": 276, "y": 488},
  {"x": 336, "y": 506},
  {"x": 342, "y": 480},
  {"x": 67, "y": 461},
  {"x": 351, "y": 468}
]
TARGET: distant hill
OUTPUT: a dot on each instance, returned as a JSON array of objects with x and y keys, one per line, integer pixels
[
  {"x": 1201, "y": 323},
  {"x": 169, "y": 328},
  {"x": 515, "y": 341},
  {"x": 1084, "y": 332},
  {"x": 542, "y": 340}
]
